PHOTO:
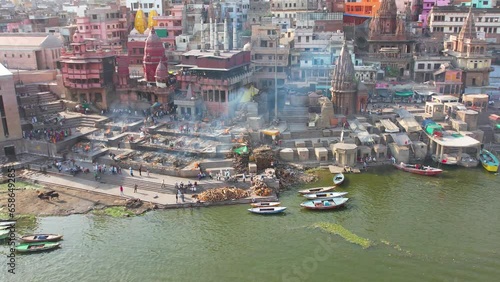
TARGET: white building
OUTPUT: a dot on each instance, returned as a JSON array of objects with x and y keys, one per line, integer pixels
[{"x": 146, "y": 6}]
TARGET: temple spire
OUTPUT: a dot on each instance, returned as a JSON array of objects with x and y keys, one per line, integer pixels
[
  {"x": 343, "y": 74},
  {"x": 468, "y": 30}
]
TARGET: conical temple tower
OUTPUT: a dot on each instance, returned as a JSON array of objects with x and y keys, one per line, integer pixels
[{"x": 344, "y": 85}]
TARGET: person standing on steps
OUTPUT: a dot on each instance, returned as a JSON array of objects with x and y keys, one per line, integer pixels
[
  {"x": 121, "y": 190},
  {"x": 131, "y": 172},
  {"x": 163, "y": 184},
  {"x": 135, "y": 188},
  {"x": 147, "y": 171},
  {"x": 140, "y": 170},
  {"x": 176, "y": 198}
]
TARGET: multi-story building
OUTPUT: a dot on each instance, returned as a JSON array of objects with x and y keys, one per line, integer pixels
[
  {"x": 10, "y": 125},
  {"x": 289, "y": 9},
  {"x": 170, "y": 26},
  {"x": 39, "y": 22},
  {"x": 257, "y": 10},
  {"x": 108, "y": 25},
  {"x": 448, "y": 20},
  {"x": 236, "y": 11},
  {"x": 448, "y": 80},
  {"x": 313, "y": 56},
  {"x": 389, "y": 44},
  {"x": 425, "y": 66},
  {"x": 213, "y": 82},
  {"x": 476, "y": 3},
  {"x": 469, "y": 54},
  {"x": 358, "y": 11},
  {"x": 88, "y": 72},
  {"x": 427, "y": 7},
  {"x": 147, "y": 6},
  {"x": 320, "y": 22},
  {"x": 29, "y": 51},
  {"x": 270, "y": 51}
]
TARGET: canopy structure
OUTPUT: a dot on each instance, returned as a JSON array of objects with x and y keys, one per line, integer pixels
[
  {"x": 389, "y": 126},
  {"x": 270, "y": 132},
  {"x": 425, "y": 92},
  {"x": 365, "y": 138},
  {"x": 356, "y": 126},
  {"x": 404, "y": 93},
  {"x": 409, "y": 124},
  {"x": 401, "y": 139}
]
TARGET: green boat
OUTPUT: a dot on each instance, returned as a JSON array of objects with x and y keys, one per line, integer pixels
[
  {"x": 4, "y": 234},
  {"x": 36, "y": 247}
]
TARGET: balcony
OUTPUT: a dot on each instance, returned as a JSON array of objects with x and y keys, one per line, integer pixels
[
  {"x": 270, "y": 63},
  {"x": 82, "y": 85},
  {"x": 270, "y": 50}
]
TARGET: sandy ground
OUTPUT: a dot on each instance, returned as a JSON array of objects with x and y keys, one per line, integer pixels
[{"x": 71, "y": 201}]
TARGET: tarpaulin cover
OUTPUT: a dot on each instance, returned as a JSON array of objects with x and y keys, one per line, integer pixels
[
  {"x": 241, "y": 150},
  {"x": 404, "y": 93}
]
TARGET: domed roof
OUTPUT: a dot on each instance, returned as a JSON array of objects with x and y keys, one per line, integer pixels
[
  {"x": 153, "y": 38},
  {"x": 134, "y": 32},
  {"x": 161, "y": 71},
  {"x": 247, "y": 47}
]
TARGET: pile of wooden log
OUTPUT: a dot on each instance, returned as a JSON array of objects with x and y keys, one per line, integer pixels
[
  {"x": 223, "y": 194},
  {"x": 263, "y": 156}
]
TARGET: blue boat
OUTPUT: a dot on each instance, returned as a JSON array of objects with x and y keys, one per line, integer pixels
[
  {"x": 488, "y": 160},
  {"x": 267, "y": 210}
]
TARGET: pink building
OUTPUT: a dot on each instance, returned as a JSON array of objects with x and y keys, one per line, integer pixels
[
  {"x": 88, "y": 72},
  {"x": 10, "y": 123},
  {"x": 170, "y": 26},
  {"x": 29, "y": 51},
  {"x": 107, "y": 25},
  {"x": 426, "y": 9}
]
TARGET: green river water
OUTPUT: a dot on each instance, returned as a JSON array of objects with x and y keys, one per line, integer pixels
[{"x": 420, "y": 228}]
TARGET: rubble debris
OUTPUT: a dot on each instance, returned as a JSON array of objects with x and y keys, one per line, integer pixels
[{"x": 223, "y": 194}]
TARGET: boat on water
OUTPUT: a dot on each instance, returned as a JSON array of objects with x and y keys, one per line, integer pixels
[
  {"x": 316, "y": 190},
  {"x": 328, "y": 204},
  {"x": 488, "y": 160},
  {"x": 7, "y": 223},
  {"x": 4, "y": 234},
  {"x": 41, "y": 238},
  {"x": 418, "y": 169},
  {"x": 265, "y": 204},
  {"x": 267, "y": 210},
  {"x": 468, "y": 161},
  {"x": 324, "y": 196},
  {"x": 447, "y": 159},
  {"x": 37, "y": 247},
  {"x": 338, "y": 179}
]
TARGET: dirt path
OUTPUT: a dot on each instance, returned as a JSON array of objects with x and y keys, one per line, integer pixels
[{"x": 71, "y": 201}]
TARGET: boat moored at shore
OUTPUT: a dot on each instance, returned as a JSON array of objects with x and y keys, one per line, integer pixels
[
  {"x": 489, "y": 161},
  {"x": 418, "y": 169}
]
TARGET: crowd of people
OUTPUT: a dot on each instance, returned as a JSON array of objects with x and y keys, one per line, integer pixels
[{"x": 49, "y": 135}]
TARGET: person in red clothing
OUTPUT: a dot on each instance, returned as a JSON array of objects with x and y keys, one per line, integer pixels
[{"x": 121, "y": 190}]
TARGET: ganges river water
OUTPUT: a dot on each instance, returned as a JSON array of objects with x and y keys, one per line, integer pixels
[{"x": 444, "y": 228}]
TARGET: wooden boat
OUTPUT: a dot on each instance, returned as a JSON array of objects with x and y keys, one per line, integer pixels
[
  {"x": 5, "y": 227},
  {"x": 316, "y": 190},
  {"x": 417, "y": 169},
  {"x": 488, "y": 160},
  {"x": 41, "y": 238},
  {"x": 267, "y": 210},
  {"x": 447, "y": 159},
  {"x": 7, "y": 223},
  {"x": 338, "y": 179},
  {"x": 4, "y": 234},
  {"x": 324, "y": 204},
  {"x": 327, "y": 195},
  {"x": 36, "y": 247},
  {"x": 467, "y": 160},
  {"x": 265, "y": 204}
]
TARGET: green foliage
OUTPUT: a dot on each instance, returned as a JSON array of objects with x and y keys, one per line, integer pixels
[
  {"x": 20, "y": 185},
  {"x": 117, "y": 211},
  {"x": 339, "y": 230}
]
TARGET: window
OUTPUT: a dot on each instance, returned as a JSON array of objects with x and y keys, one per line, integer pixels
[
  {"x": 437, "y": 66},
  {"x": 94, "y": 17},
  {"x": 421, "y": 66}
]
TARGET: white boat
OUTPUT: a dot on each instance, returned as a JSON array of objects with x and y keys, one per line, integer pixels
[
  {"x": 7, "y": 223},
  {"x": 468, "y": 161},
  {"x": 265, "y": 204},
  {"x": 325, "y": 196},
  {"x": 338, "y": 179},
  {"x": 267, "y": 210},
  {"x": 447, "y": 159},
  {"x": 316, "y": 190}
]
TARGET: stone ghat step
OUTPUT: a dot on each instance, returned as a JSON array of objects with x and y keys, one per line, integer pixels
[{"x": 144, "y": 184}]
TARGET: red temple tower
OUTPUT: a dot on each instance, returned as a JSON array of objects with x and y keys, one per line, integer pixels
[{"x": 154, "y": 52}]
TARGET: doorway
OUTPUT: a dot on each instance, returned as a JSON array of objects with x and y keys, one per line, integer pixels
[{"x": 10, "y": 152}]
